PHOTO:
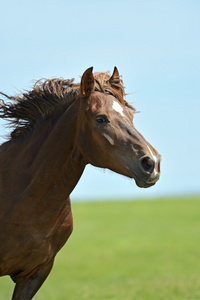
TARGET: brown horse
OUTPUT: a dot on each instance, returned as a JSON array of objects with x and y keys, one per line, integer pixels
[{"x": 59, "y": 128}]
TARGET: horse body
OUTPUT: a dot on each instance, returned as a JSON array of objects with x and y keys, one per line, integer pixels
[
  {"x": 40, "y": 169},
  {"x": 46, "y": 222}
]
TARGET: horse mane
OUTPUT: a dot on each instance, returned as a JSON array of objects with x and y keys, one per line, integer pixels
[{"x": 50, "y": 98}]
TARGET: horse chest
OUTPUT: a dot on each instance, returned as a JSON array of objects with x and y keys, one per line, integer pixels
[{"x": 31, "y": 246}]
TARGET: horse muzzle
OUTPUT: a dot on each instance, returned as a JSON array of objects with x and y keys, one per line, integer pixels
[{"x": 147, "y": 173}]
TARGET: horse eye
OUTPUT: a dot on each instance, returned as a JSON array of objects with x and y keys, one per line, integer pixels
[{"x": 102, "y": 119}]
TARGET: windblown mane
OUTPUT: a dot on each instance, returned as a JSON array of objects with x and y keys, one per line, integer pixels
[{"x": 49, "y": 98}]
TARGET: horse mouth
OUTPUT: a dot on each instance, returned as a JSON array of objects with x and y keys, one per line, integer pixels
[{"x": 140, "y": 182}]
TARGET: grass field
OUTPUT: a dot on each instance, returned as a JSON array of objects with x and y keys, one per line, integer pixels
[{"x": 127, "y": 250}]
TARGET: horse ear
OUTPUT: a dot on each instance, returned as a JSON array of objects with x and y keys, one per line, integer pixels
[
  {"x": 87, "y": 82},
  {"x": 115, "y": 78}
]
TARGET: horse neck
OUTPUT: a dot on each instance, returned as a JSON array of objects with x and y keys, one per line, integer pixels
[{"x": 57, "y": 165}]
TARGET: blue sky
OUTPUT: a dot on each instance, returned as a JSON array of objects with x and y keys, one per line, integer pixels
[{"x": 156, "y": 47}]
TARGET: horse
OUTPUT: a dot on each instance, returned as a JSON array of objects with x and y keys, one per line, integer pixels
[{"x": 58, "y": 128}]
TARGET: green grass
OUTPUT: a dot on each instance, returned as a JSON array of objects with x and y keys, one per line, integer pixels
[{"x": 140, "y": 250}]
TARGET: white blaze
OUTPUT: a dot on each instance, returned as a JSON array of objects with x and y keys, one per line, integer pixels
[
  {"x": 117, "y": 107},
  {"x": 153, "y": 156}
]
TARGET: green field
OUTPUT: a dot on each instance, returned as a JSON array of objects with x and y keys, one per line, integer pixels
[{"x": 127, "y": 250}]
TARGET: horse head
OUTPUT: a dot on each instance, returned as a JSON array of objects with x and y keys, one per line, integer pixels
[{"x": 107, "y": 136}]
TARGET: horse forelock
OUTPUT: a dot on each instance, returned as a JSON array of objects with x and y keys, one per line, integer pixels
[
  {"x": 115, "y": 88},
  {"x": 49, "y": 98}
]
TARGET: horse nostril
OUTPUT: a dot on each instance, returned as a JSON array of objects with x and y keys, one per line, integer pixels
[{"x": 147, "y": 164}]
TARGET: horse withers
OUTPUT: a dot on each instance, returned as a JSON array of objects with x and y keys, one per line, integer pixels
[{"x": 59, "y": 128}]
